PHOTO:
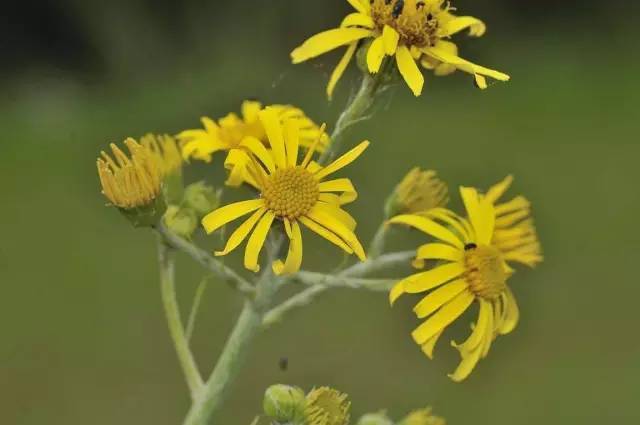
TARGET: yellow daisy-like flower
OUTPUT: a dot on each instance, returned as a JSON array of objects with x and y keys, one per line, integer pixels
[
  {"x": 474, "y": 269},
  {"x": 326, "y": 406},
  {"x": 411, "y": 30},
  {"x": 291, "y": 192},
  {"x": 166, "y": 151},
  {"x": 229, "y": 132},
  {"x": 418, "y": 191},
  {"x": 133, "y": 182}
]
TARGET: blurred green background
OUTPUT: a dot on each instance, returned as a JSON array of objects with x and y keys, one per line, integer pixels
[{"x": 83, "y": 335}]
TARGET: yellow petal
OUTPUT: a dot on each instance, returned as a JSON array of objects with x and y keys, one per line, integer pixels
[
  {"x": 273, "y": 127},
  {"x": 361, "y": 6},
  {"x": 476, "y": 27},
  {"x": 336, "y": 226},
  {"x": 325, "y": 233},
  {"x": 511, "y": 312},
  {"x": 250, "y": 109},
  {"x": 338, "y": 213},
  {"x": 358, "y": 20},
  {"x": 292, "y": 141},
  {"x": 340, "y": 68},
  {"x": 256, "y": 242},
  {"x": 258, "y": 148},
  {"x": 429, "y": 279},
  {"x": 409, "y": 70},
  {"x": 464, "y": 65},
  {"x": 294, "y": 256},
  {"x": 345, "y": 186},
  {"x": 375, "y": 54},
  {"x": 443, "y": 318},
  {"x": 479, "y": 330},
  {"x": 429, "y": 227},
  {"x": 390, "y": 38},
  {"x": 343, "y": 161},
  {"x": 451, "y": 219},
  {"x": 439, "y": 251},
  {"x": 427, "y": 347},
  {"x": 327, "y": 41},
  {"x": 496, "y": 191},
  {"x": 439, "y": 297},
  {"x": 467, "y": 365},
  {"x": 481, "y": 214},
  {"x": 241, "y": 232},
  {"x": 218, "y": 218}
]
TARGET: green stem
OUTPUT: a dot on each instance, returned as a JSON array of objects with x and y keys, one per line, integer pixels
[
  {"x": 355, "y": 111},
  {"x": 176, "y": 328},
  {"x": 377, "y": 243},
  {"x": 195, "y": 307}
]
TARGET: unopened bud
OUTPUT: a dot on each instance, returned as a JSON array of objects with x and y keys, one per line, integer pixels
[
  {"x": 378, "y": 418},
  {"x": 285, "y": 404},
  {"x": 181, "y": 221},
  {"x": 201, "y": 198}
]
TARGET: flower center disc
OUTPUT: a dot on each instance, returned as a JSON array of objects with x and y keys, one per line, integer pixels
[
  {"x": 415, "y": 20},
  {"x": 290, "y": 192},
  {"x": 485, "y": 271}
]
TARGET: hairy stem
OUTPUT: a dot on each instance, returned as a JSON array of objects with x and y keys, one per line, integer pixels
[
  {"x": 176, "y": 328},
  {"x": 377, "y": 243}
]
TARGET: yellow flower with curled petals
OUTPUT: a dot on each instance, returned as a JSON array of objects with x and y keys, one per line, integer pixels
[
  {"x": 471, "y": 268},
  {"x": 292, "y": 192},
  {"x": 229, "y": 132},
  {"x": 414, "y": 31}
]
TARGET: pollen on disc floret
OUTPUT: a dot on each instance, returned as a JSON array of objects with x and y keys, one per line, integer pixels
[{"x": 291, "y": 192}]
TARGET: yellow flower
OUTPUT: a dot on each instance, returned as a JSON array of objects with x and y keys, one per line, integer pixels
[
  {"x": 422, "y": 417},
  {"x": 130, "y": 182},
  {"x": 417, "y": 192},
  {"x": 292, "y": 193},
  {"x": 473, "y": 268},
  {"x": 229, "y": 132},
  {"x": 326, "y": 406},
  {"x": 166, "y": 151},
  {"x": 411, "y": 30}
]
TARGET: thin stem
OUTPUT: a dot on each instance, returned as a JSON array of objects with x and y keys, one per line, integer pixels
[
  {"x": 355, "y": 111},
  {"x": 347, "y": 278},
  {"x": 195, "y": 306},
  {"x": 176, "y": 329},
  {"x": 207, "y": 260},
  {"x": 377, "y": 243}
]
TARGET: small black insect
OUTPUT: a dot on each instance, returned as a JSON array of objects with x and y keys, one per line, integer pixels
[
  {"x": 283, "y": 364},
  {"x": 470, "y": 246},
  {"x": 397, "y": 8}
]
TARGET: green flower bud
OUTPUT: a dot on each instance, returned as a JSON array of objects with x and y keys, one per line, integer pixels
[
  {"x": 379, "y": 418},
  {"x": 285, "y": 404},
  {"x": 422, "y": 417},
  {"x": 181, "y": 221},
  {"x": 201, "y": 198}
]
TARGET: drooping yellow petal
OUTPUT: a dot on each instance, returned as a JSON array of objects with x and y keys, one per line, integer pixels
[
  {"x": 325, "y": 233},
  {"x": 336, "y": 226},
  {"x": 390, "y": 38},
  {"x": 427, "y": 347},
  {"x": 256, "y": 241},
  {"x": 439, "y": 297},
  {"x": 327, "y": 41},
  {"x": 464, "y": 65},
  {"x": 429, "y": 227},
  {"x": 239, "y": 163},
  {"x": 439, "y": 251},
  {"x": 340, "y": 68},
  {"x": 257, "y": 148},
  {"x": 409, "y": 70},
  {"x": 511, "y": 313},
  {"x": 273, "y": 128},
  {"x": 343, "y": 161},
  {"x": 477, "y": 28},
  {"x": 375, "y": 54},
  {"x": 218, "y": 218},
  {"x": 479, "y": 329},
  {"x": 443, "y": 318},
  {"x": 241, "y": 232},
  {"x": 348, "y": 191},
  {"x": 358, "y": 20},
  {"x": 294, "y": 256},
  {"x": 429, "y": 279}
]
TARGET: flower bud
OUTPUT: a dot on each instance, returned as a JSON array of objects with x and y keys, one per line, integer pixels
[
  {"x": 181, "y": 221},
  {"x": 201, "y": 198},
  {"x": 419, "y": 191},
  {"x": 285, "y": 404},
  {"x": 378, "y": 418},
  {"x": 422, "y": 417}
]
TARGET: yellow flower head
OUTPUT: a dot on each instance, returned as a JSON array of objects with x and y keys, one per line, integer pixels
[
  {"x": 326, "y": 406},
  {"x": 229, "y": 132},
  {"x": 130, "y": 182},
  {"x": 422, "y": 417},
  {"x": 471, "y": 268},
  {"x": 166, "y": 152},
  {"x": 411, "y": 30},
  {"x": 292, "y": 192},
  {"x": 417, "y": 192}
]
